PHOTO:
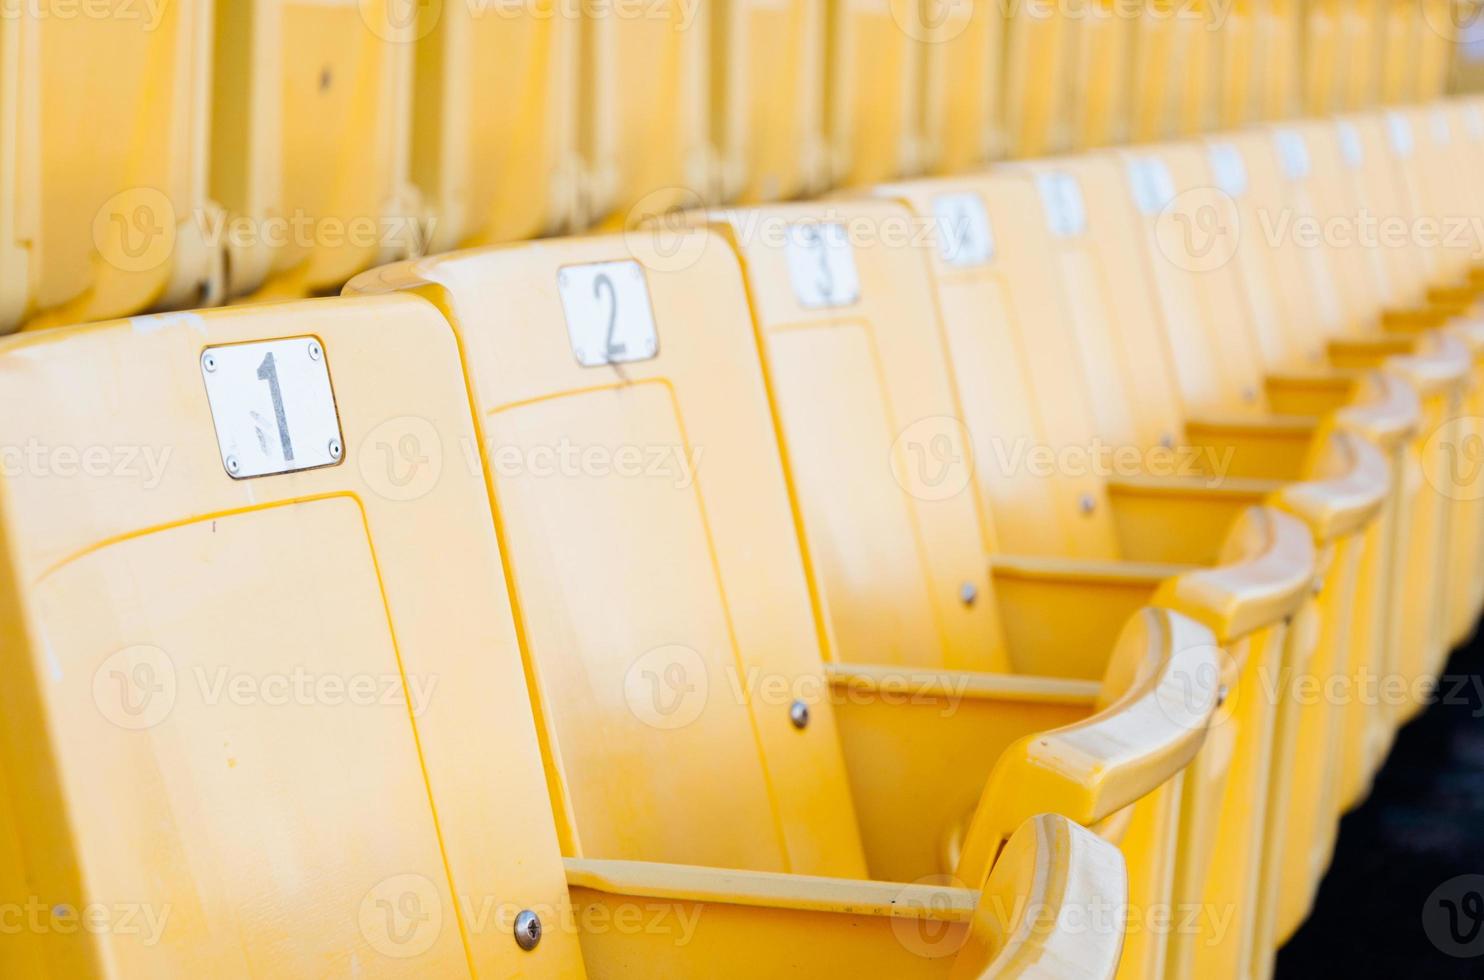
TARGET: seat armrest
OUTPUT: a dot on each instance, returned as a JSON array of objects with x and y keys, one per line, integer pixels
[
  {"x": 1267, "y": 573},
  {"x": 1091, "y": 769},
  {"x": 1444, "y": 366},
  {"x": 1386, "y": 411},
  {"x": 1355, "y": 480}
]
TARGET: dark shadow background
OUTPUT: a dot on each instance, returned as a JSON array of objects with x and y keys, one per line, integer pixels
[{"x": 1393, "y": 895}]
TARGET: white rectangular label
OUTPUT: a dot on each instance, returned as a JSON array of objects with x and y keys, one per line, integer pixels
[
  {"x": 821, "y": 264},
  {"x": 1400, "y": 132},
  {"x": 1293, "y": 154},
  {"x": 1350, "y": 145},
  {"x": 1152, "y": 184},
  {"x": 609, "y": 319},
  {"x": 964, "y": 235},
  {"x": 272, "y": 406},
  {"x": 1442, "y": 131},
  {"x": 1229, "y": 169},
  {"x": 1473, "y": 123},
  {"x": 1061, "y": 196}
]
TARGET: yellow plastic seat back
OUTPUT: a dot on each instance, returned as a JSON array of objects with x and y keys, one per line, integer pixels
[
  {"x": 1184, "y": 219},
  {"x": 1156, "y": 60},
  {"x": 310, "y": 138},
  {"x": 872, "y": 84},
  {"x": 655, "y": 566},
  {"x": 1360, "y": 53},
  {"x": 1240, "y": 71},
  {"x": 494, "y": 120},
  {"x": 1280, "y": 27},
  {"x": 250, "y": 719},
  {"x": 1321, "y": 56},
  {"x": 1106, "y": 283},
  {"x": 1101, "y": 41},
  {"x": 644, "y": 99},
  {"x": 961, "y": 122},
  {"x": 768, "y": 99},
  {"x": 1037, "y": 56},
  {"x": 102, "y": 151},
  {"x": 1401, "y": 35},
  {"x": 1020, "y": 373},
  {"x": 855, "y": 361}
]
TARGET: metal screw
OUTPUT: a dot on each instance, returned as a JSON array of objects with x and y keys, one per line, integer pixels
[
  {"x": 1088, "y": 504},
  {"x": 232, "y": 465},
  {"x": 334, "y": 448},
  {"x": 208, "y": 361},
  {"x": 527, "y": 930},
  {"x": 1221, "y": 695},
  {"x": 1249, "y": 394},
  {"x": 967, "y": 593},
  {"x": 798, "y": 713},
  {"x": 314, "y": 350},
  {"x": 1167, "y": 441}
]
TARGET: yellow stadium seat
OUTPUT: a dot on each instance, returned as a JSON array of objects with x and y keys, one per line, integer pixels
[
  {"x": 245, "y": 707},
  {"x": 1401, "y": 31},
  {"x": 873, "y": 83},
  {"x": 990, "y": 305},
  {"x": 1156, "y": 60},
  {"x": 768, "y": 96},
  {"x": 310, "y": 132},
  {"x": 1327, "y": 188},
  {"x": 1035, "y": 96},
  {"x": 1360, "y": 53},
  {"x": 1196, "y": 25},
  {"x": 1240, "y": 70},
  {"x": 1283, "y": 290},
  {"x": 258, "y": 764},
  {"x": 93, "y": 227},
  {"x": 1099, "y": 63},
  {"x": 1216, "y": 355},
  {"x": 961, "y": 123},
  {"x": 715, "y": 604},
  {"x": 1279, "y": 26},
  {"x": 860, "y": 325},
  {"x": 643, "y": 102},
  {"x": 494, "y": 167},
  {"x": 1322, "y": 37}
]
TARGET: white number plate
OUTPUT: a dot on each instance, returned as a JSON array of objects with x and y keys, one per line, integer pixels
[
  {"x": 1293, "y": 154},
  {"x": 821, "y": 264},
  {"x": 1061, "y": 196},
  {"x": 1350, "y": 146},
  {"x": 609, "y": 319},
  {"x": 1400, "y": 132},
  {"x": 1152, "y": 184},
  {"x": 1229, "y": 169},
  {"x": 964, "y": 235},
  {"x": 273, "y": 406}
]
